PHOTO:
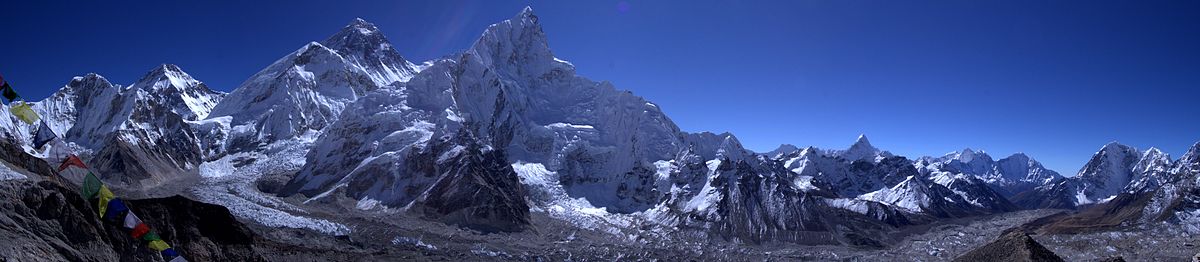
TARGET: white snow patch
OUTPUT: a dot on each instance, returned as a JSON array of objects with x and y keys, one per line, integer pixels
[
  {"x": 663, "y": 169},
  {"x": 7, "y": 173},
  {"x": 568, "y": 125},
  {"x": 1082, "y": 199},
  {"x": 804, "y": 183},
  {"x": 366, "y": 203}
]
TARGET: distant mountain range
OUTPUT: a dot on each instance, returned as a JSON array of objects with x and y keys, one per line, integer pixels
[{"x": 484, "y": 137}]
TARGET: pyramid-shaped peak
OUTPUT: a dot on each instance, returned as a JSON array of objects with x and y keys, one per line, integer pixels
[
  {"x": 518, "y": 46},
  {"x": 359, "y": 35},
  {"x": 861, "y": 149},
  {"x": 361, "y": 26},
  {"x": 862, "y": 144},
  {"x": 167, "y": 74},
  {"x": 862, "y": 139},
  {"x": 167, "y": 68}
]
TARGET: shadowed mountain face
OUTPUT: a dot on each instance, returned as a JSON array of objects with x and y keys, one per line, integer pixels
[
  {"x": 1014, "y": 246},
  {"x": 43, "y": 220}
]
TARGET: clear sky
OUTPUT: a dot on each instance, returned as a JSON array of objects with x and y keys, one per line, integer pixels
[{"x": 1053, "y": 79}]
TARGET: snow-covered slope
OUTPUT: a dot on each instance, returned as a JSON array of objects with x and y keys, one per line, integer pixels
[
  {"x": 1008, "y": 176},
  {"x": 862, "y": 150},
  {"x": 1113, "y": 169},
  {"x": 306, "y": 90},
  {"x": 482, "y": 137},
  {"x": 140, "y": 135},
  {"x": 1152, "y": 170},
  {"x": 898, "y": 182},
  {"x": 1109, "y": 171},
  {"x": 513, "y": 94},
  {"x": 1166, "y": 192}
]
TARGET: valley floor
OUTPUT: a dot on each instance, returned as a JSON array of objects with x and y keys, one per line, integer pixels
[{"x": 339, "y": 229}]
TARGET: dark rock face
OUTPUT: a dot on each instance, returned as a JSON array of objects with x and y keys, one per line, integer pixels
[
  {"x": 477, "y": 190},
  {"x": 992, "y": 200},
  {"x": 1014, "y": 246},
  {"x": 1057, "y": 195},
  {"x": 45, "y": 221},
  {"x": 757, "y": 208},
  {"x": 203, "y": 231},
  {"x": 757, "y": 205},
  {"x": 11, "y": 152},
  {"x": 170, "y": 153}
]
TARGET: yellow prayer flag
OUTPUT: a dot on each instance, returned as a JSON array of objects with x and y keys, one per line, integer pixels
[
  {"x": 105, "y": 195},
  {"x": 23, "y": 111},
  {"x": 158, "y": 245}
]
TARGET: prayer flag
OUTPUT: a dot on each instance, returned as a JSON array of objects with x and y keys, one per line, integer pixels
[
  {"x": 178, "y": 259},
  {"x": 9, "y": 93},
  {"x": 104, "y": 196},
  {"x": 71, "y": 160},
  {"x": 150, "y": 236},
  {"x": 91, "y": 185},
  {"x": 169, "y": 253},
  {"x": 131, "y": 221},
  {"x": 44, "y": 135},
  {"x": 159, "y": 245},
  {"x": 116, "y": 208},
  {"x": 140, "y": 230},
  {"x": 23, "y": 111}
]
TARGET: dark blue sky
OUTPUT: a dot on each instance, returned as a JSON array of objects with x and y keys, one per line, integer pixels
[{"x": 1054, "y": 79}]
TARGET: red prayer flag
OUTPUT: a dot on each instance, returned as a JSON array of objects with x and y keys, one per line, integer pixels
[
  {"x": 71, "y": 160},
  {"x": 139, "y": 230}
]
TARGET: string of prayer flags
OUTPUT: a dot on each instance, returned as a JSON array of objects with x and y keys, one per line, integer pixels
[
  {"x": 20, "y": 109},
  {"x": 110, "y": 207},
  {"x": 44, "y": 135}
]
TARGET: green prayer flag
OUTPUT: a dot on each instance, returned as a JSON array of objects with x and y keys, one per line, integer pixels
[
  {"x": 150, "y": 237},
  {"x": 91, "y": 185}
]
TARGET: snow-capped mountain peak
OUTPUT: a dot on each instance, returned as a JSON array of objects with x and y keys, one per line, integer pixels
[
  {"x": 967, "y": 155},
  {"x": 359, "y": 33},
  {"x": 862, "y": 150},
  {"x": 1192, "y": 155},
  {"x": 519, "y": 47},
  {"x": 191, "y": 99},
  {"x": 1107, "y": 173},
  {"x": 1153, "y": 160},
  {"x": 1189, "y": 162},
  {"x": 364, "y": 45}
]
